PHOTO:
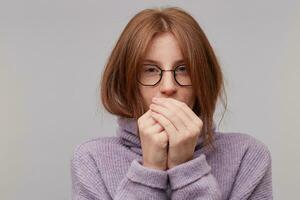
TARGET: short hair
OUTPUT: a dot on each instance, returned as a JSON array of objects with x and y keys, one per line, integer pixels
[{"x": 120, "y": 93}]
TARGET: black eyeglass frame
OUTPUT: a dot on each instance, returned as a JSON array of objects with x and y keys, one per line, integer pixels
[{"x": 161, "y": 74}]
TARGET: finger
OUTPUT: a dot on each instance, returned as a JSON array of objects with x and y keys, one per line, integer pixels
[
  {"x": 167, "y": 125},
  {"x": 190, "y": 113},
  {"x": 156, "y": 128},
  {"x": 152, "y": 122},
  {"x": 177, "y": 110},
  {"x": 147, "y": 120},
  {"x": 193, "y": 123},
  {"x": 170, "y": 115}
]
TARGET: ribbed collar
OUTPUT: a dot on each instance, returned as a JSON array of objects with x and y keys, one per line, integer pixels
[{"x": 127, "y": 131}]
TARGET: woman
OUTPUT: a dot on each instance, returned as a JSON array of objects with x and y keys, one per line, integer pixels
[{"x": 163, "y": 80}]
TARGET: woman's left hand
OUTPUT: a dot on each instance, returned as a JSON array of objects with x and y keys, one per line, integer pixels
[{"x": 182, "y": 125}]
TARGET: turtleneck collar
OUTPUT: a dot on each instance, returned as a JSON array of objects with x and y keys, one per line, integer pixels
[{"x": 128, "y": 132}]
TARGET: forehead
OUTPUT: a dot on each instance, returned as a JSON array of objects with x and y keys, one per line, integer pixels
[{"x": 163, "y": 49}]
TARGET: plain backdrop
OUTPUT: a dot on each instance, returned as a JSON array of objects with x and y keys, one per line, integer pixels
[{"x": 52, "y": 54}]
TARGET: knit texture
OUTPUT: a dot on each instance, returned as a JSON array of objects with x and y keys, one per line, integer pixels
[{"x": 240, "y": 167}]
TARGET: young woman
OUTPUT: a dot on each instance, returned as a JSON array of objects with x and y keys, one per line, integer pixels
[{"x": 163, "y": 81}]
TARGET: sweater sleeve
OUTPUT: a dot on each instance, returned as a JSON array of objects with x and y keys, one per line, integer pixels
[
  {"x": 193, "y": 180},
  {"x": 138, "y": 183},
  {"x": 254, "y": 178}
]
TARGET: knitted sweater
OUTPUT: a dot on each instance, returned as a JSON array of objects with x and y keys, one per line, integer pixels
[{"x": 111, "y": 168}]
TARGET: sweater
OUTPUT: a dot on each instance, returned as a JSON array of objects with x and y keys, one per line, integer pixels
[{"x": 239, "y": 167}]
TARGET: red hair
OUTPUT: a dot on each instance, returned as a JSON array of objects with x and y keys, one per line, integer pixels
[{"x": 119, "y": 87}]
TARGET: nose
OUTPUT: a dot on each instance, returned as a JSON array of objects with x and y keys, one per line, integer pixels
[{"x": 168, "y": 85}]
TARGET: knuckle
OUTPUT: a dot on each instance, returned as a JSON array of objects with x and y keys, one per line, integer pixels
[
  {"x": 168, "y": 124},
  {"x": 193, "y": 132},
  {"x": 139, "y": 120},
  {"x": 199, "y": 123},
  {"x": 182, "y": 104},
  {"x": 196, "y": 131}
]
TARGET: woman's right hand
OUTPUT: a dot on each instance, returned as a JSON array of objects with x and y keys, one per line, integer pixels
[{"x": 154, "y": 142}]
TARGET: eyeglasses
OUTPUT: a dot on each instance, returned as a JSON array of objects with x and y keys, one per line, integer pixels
[{"x": 150, "y": 75}]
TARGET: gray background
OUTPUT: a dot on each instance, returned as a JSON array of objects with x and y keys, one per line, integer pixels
[{"x": 52, "y": 55}]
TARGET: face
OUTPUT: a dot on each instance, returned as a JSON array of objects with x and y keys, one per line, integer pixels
[{"x": 164, "y": 52}]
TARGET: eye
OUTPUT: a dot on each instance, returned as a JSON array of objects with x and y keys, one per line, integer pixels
[
  {"x": 150, "y": 69},
  {"x": 182, "y": 68}
]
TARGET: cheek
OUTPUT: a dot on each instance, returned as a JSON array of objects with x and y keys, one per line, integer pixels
[
  {"x": 190, "y": 99},
  {"x": 193, "y": 101},
  {"x": 147, "y": 95}
]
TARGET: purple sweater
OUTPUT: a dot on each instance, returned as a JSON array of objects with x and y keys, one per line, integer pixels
[{"x": 111, "y": 168}]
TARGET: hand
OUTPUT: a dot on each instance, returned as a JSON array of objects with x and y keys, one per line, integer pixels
[
  {"x": 182, "y": 125},
  {"x": 154, "y": 142}
]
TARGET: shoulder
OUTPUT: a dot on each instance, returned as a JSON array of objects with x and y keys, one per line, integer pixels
[
  {"x": 241, "y": 140},
  {"x": 94, "y": 147},
  {"x": 243, "y": 143}
]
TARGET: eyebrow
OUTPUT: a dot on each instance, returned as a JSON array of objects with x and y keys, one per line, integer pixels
[{"x": 154, "y": 61}]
